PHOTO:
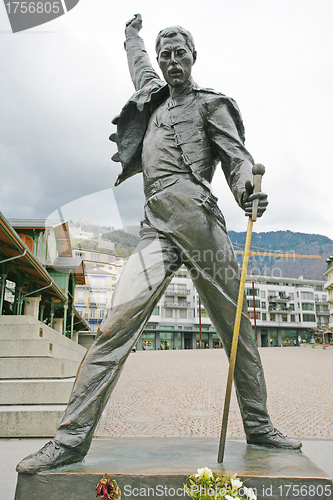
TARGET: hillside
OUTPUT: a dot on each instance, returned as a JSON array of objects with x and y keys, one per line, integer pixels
[
  {"x": 282, "y": 241},
  {"x": 287, "y": 242}
]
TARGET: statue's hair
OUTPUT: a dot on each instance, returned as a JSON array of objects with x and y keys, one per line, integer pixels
[{"x": 174, "y": 31}]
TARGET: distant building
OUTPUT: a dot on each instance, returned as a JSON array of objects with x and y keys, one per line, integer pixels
[
  {"x": 287, "y": 310},
  {"x": 38, "y": 273},
  {"x": 329, "y": 286},
  {"x": 287, "y": 313},
  {"x": 93, "y": 299}
]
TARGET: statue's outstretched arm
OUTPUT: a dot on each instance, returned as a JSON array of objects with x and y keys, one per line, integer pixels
[{"x": 139, "y": 63}]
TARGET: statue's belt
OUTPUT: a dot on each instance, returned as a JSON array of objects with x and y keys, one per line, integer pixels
[
  {"x": 208, "y": 200},
  {"x": 159, "y": 186}
]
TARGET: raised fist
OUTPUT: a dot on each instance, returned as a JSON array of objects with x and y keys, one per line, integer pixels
[{"x": 135, "y": 22}]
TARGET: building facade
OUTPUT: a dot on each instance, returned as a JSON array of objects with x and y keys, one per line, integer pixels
[
  {"x": 286, "y": 311},
  {"x": 93, "y": 299},
  {"x": 329, "y": 287},
  {"x": 283, "y": 312}
]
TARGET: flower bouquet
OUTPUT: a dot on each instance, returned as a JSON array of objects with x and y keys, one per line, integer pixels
[{"x": 209, "y": 485}]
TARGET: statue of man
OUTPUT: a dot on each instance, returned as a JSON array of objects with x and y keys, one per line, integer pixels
[{"x": 175, "y": 133}]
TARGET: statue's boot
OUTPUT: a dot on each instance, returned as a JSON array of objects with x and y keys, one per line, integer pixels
[
  {"x": 274, "y": 439},
  {"x": 52, "y": 455}
]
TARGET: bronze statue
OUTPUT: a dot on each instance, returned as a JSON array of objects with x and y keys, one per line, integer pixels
[{"x": 175, "y": 133}]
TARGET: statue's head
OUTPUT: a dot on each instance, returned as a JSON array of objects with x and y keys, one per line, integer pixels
[{"x": 176, "y": 54}]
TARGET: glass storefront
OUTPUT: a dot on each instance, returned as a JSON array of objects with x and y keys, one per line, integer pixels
[
  {"x": 216, "y": 341},
  {"x": 295, "y": 337},
  {"x": 148, "y": 341},
  {"x": 274, "y": 339},
  {"x": 166, "y": 340},
  {"x": 204, "y": 340}
]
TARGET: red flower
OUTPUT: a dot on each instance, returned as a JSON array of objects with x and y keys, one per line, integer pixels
[{"x": 106, "y": 489}]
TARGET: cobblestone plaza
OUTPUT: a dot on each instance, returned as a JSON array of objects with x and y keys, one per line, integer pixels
[{"x": 181, "y": 393}]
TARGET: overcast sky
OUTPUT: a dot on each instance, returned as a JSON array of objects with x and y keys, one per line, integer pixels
[{"x": 63, "y": 82}]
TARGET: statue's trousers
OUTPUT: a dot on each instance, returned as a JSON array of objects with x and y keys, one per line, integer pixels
[{"x": 182, "y": 225}]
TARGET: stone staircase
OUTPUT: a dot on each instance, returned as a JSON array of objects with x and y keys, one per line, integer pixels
[{"x": 37, "y": 370}]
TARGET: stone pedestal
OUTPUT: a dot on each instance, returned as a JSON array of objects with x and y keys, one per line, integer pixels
[
  {"x": 158, "y": 467},
  {"x": 58, "y": 324},
  {"x": 31, "y": 307}
]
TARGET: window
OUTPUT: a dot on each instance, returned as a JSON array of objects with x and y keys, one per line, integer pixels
[
  {"x": 263, "y": 305},
  {"x": 264, "y": 316},
  {"x": 250, "y": 303},
  {"x": 307, "y": 295},
  {"x": 292, "y": 318},
  {"x": 284, "y": 317},
  {"x": 204, "y": 313},
  {"x": 111, "y": 259},
  {"x": 182, "y": 313},
  {"x": 263, "y": 294},
  {"x": 292, "y": 307},
  {"x": 291, "y": 295},
  {"x": 249, "y": 291},
  {"x": 95, "y": 256},
  {"x": 156, "y": 311},
  {"x": 251, "y": 315},
  {"x": 309, "y": 318},
  {"x": 101, "y": 313},
  {"x": 272, "y": 317},
  {"x": 168, "y": 313},
  {"x": 92, "y": 313},
  {"x": 307, "y": 306}
]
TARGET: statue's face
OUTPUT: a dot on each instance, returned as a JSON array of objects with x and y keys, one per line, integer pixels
[{"x": 175, "y": 60}]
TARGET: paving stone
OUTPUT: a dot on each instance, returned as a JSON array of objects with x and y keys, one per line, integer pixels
[{"x": 181, "y": 393}]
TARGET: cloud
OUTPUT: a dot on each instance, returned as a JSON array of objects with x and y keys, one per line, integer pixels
[{"x": 63, "y": 83}]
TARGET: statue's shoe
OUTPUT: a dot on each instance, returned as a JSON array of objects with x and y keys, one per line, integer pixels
[
  {"x": 274, "y": 439},
  {"x": 52, "y": 455}
]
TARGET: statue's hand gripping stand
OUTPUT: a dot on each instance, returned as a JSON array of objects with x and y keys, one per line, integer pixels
[{"x": 258, "y": 171}]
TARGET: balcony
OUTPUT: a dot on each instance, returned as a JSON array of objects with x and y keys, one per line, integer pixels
[
  {"x": 92, "y": 318},
  {"x": 177, "y": 292},
  {"x": 274, "y": 298},
  {"x": 174, "y": 304},
  {"x": 280, "y": 309}
]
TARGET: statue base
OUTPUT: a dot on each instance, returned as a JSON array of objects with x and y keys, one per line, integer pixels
[{"x": 157, "y": 468}]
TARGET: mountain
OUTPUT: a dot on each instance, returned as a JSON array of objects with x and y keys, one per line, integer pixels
[
  {"x": 286, "y": 242},
  {"x": 280, "y": 241}
]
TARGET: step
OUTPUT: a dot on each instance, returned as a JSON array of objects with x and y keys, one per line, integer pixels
[
  {"x": 40, "y": 347},
  {"x": 37, "y": 330},
  {"x": 29, "y": 421},
  {"x": 37, "y": 367},
  {"x": 30, "y": 392}
]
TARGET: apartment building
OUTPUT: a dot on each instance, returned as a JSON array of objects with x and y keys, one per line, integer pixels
[
  {"x": 286, "y": 311},
  {"x": 283, "y": 312},
  {"x": 93, "y": 299},
  {"x": 329, "y": 287}
]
